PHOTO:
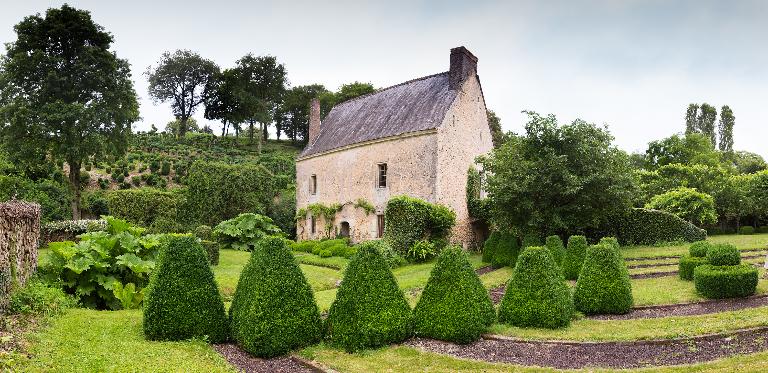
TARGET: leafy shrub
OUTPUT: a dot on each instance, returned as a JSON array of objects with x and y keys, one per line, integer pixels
[
  {"x": 687, "y": 203},
  {"x": 53, "y": 196},
  {"x": 203, "y": 232},
  {"x": 762, "y": 229},
  {"x": 212, "y": 249},
  {"x": 370, "y": 310},
  {"x": 687, "y": 265},
  {"x": 501, "y": 250},
  {"x": 145, "y": 206},
  {"x": 555, "y": 246},
  {"x": 611, "y": 241},
  {"x": 699, "y": 249},
  {"x": 166, "y": 168},
  {"x": 304, "y": 246},
  {"x": 386, "y": 251},
  {"x": 574, "y": 256},
  {"x": 410, "y": 220},
  {"x": 182, "y": 300},
  {"x": 725, "y": 281},
  {"x": 747, "y": 229},
  {"x": 454, "y": 306},
  {"x": 104, "y": 266},
  {"x": 649, "y": 227},
  {"x": 325, "y": 253},
  {"x": 245, "y": 231},
  {"x": 136, "y": 180},
  {"x": 154, "y": 166},
  {"x": 603, "y": 286},
  {"x": 103, "y": 183},
  {"x": 421, "y": 251},
  {"x": 531, "y": 240},
  {"x": 152, "y": 180},
  {"x": 536, "y": 295},
  {"x": 273, "y": 310},
  {"x": 39, "y": 298},
  {"x": 723, "y": 255}
]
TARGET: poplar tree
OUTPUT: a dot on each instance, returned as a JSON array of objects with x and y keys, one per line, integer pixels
[{"x": 725, "y": 127}]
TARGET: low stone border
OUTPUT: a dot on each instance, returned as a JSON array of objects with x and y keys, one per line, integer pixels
[
  {"x": 689, "y": 309},
  {"x": 574, "y": 355},
  {"x": 245, "y": 362}
]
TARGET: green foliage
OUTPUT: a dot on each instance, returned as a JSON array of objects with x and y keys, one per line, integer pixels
[
  {"x": 182, "y": 300},
  {"x": 203, "y": 232},
  {"x": 454, "y": 306},
  {"x": 409, "y": 220},
  {"x": 531, "y": 239},
  {"x": 52, "y": 196},
  {"x": 536, "y": 295},
  {"x": 725, "y": 281},
  {"x": 245, "y": 231},
  {"x": 555, "y": 246},
  {"x": 147, "y": 207},
  {"x": 723, "y": 255},
  {"x": 370, "y": 310},
  {"x": 747, "y": 229},
  {"x": 699, "y": 249},
  {"x": 165, "y": 170},
  {"x": 501, "y": 250},
  {"x": 39, "y": 298},
  {"x": 212, "y": 249},
  {"x": 689, "y": 204},
  {"x": 649, "y": 227},
  {"x": 479, "y": 207},
  {"x": 611, "y": 241},
  {"x": 91, "y": 268},
  {"x": 273, "y": 310},
  {"x": 385, "y": 250},
  {"x": 691, "y": 149},
  {"x": 688, "y": 264},
  {"x": 603, "y": 286},
  {"x": 556, "y": 179},
  {"x": 282, "y": 210},
  {"x": 574, "y": 256},
  {"x": 421, "y": 251}
]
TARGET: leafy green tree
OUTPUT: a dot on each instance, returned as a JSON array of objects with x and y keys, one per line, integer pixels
[
  {"x": 181, "y": 78},
  {"x": 497, "y": 135},
  {"x": 64, "y": 93},
  {"x": 352, "y": 90},
  {"x": 758, "y": 192},
  {"x": 725, "y": 127},
  {"x": 173, "y": 126},
  {"x": 687, "y": 203},
  {"x": 691, "y": 126},
  {"x": 223, "y": 100},
  {"x": 292, "y": 116},
  {"x": 557, "y": 179},
  {"x": 746, "y": 162},
  {"x": 706, "y": 122},
  {"x": 263, "y": 82},
  {"x": 692, "y": 148}
]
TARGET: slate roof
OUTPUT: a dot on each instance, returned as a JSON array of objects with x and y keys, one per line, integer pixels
[{"x": 416, "y": 105}]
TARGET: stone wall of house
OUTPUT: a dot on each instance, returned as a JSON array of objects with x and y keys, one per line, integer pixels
[
  {"x": 463, "y": 135},
  {"x": 350, "y": 174}
]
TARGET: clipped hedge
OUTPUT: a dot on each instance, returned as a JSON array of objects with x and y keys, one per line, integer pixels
[
  {"x": 386, "y": 251},
  {"x": 501, "y": 250},
  {"x": 182, "y": 300},
  {"x": 718, "y": 282},
  {"x": 454, "y": 306},
  {"x": 574, "y": 256},
  {"x": 723, "y": 255},
  {"x": 409, "y": 220},
  {"x": 370, "y": 310},
  {"x": 688, "y": 264},
  {"x": 273, "y": 309},
  {"x": 648, "y": 227},
  {"x": 536, "y": 295},
  {"x": 747, "y": 229},
  {"x": 699, "y": 249},
  {"x": 146, "y": 207},
  {"x": 212, "y": 250},
  {"x": 555, "y": 246},
  {"x": 603, "y": 286},
  {"x": 531, "y": 240}
]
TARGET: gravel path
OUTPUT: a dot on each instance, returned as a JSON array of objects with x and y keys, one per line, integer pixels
[
  {"x": 244, "y": 362},
  {"x": 689, "y": 309},
  {"x": 573, "y": 355}
]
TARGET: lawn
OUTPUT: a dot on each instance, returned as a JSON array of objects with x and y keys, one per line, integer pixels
[{"x": 743, "y": 242}]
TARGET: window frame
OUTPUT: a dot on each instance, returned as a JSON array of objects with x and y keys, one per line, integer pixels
[
  {"x": 380, "y": 225},
  {"x": 312, "y": 224},
  {"x": 381, "y": 175},
  {"x": 313, "y": 184}
]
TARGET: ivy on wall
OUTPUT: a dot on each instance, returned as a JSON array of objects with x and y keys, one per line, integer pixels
[
  {"x": 478, "y": 207},
  {"x": 328, "y": 212},
  {"x": 409, "y": 220}
]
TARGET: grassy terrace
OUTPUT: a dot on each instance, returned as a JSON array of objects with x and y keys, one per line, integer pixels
[{"x": 743, "y": 242}]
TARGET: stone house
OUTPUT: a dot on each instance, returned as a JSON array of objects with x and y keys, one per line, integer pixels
[{"x": 416, "y": 138}]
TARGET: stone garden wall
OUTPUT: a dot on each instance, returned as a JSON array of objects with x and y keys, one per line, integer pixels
[{"x": 19, "y": 233}]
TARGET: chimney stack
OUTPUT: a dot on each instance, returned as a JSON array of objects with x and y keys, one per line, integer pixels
[
  {"x": 314, "y": 120},
  {"x": 463, "y": 65}
]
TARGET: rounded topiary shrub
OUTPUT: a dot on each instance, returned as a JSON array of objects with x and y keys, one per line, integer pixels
[
  {"x": 725, "y": 281},
  {"x": 611, "y": 241},
  {"x": 501, "y": 250},
  {"x": 370, "y": 310},
  {"x": 531, "y": 240},
  {"x": 574, "y": 256},
  {"x": 536, "y": 295},
  {"x": 687, "y": 264},
  {"x": 489, "y": 246},
  {"x": 182, "y": 300},
  {"x": 603, "y": 286},
  {"x": 699, "y": 249},
  {"x": 747, "y": 229},
  {"x": 454, "y": 306},
  {"x": 723, "y": 255},
  {"x": 273, "y": 309},
  {"x": 555, "y": 246}
]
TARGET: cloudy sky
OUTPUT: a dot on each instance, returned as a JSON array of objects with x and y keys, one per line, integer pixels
[{"x": 632, "y": 65}]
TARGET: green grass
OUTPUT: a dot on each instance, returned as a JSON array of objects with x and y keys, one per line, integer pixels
[
  {"x": 671, "y": 289},
  {"x": 320, "y": 278},
  {"x": 227, "y": 273},
  {"x": 743, "y": 242},
  {"x": 336, "y": 262},
  {"x": 85, "y": 340}
]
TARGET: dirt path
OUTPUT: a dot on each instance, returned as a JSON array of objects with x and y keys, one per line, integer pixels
[
  {"x": 244, "y": 362},
  {"x": 572, "y": 355},
  {"x": 689, "y": 309}
]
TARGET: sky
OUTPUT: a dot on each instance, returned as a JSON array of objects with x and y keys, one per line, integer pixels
[{"x": 633, "y": 66}]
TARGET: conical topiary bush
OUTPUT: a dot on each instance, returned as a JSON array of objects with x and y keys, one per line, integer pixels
[
  {"x": 603, "y": 286},
  {"x": 501, "y": 250},
  {"x": 574, "y": 256},
  {"x": 454, "y": 306},
  {"x": 182, "y": 299},
  {"x": 536, "y": 295},
  {"x": 555, "y": 246},
  {"x": 273, "y": 310},
  {"x": 370, "y": 310}
]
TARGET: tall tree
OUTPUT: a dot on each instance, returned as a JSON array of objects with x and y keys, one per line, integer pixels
[
  {"x": 181, "y": 78},
  {"x": 293, "y": 112},
  {"x": 706, "y": 122},
  {"x": 693, "y": 148},
  {"x": 223, "y": 100},
  {"x": 497, "y": 135},
  {"x": 64, "y": 93},
  {"x": 725, "y": 127},
  {"x": 263, "y": 82},
  {"x": 352, "y": 90},
  {"x": 691, "y": 114}
]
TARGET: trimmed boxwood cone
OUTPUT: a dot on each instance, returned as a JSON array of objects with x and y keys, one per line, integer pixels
[
  {"x": 454, "y": 306},
  {"x": 536, "y": 295},
  {"x": 273, "y": 310},
  {"x": 699, "y": 249},
  {"x": 603, "y": 286},
  {"x": 555, "y": 246},
  {"x": 182, "y": 299},
  {"x": 574, "y": 256},
  {"x": 723, "y": 255},
  {"x": 501, "y": 250},
  {"x": 370, "y": 310}
]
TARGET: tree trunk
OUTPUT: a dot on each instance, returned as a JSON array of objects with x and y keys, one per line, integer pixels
[
  {"x": 74, "y": 183},
  {"x": 264, "y": 131},
  {"x": 182, "y": 127},
  {"x": 250, "y": 133},
  {"x": 223, "y": 129}
]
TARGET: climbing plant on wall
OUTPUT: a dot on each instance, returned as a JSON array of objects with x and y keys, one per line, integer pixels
[{"x": 410, "y": 220}]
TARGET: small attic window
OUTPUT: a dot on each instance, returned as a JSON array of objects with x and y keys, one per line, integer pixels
[
  {"x": 313, "y": 184},
  {"x": 382, "y": 175}
]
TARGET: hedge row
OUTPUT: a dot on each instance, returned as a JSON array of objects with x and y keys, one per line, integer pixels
[
  {"x": 648, "y": 227},
  {"x": 147, "y": 207},
  {"x": 726, "y": 281}
]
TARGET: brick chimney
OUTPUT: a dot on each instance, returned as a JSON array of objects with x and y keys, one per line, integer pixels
[
  {"x": 314, "y": 120},
  {"x": 463, "y": 65}
]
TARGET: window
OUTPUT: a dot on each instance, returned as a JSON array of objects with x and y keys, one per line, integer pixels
[
  {"x": 312, "y": 224},
  {"x": 382, "y": 175},
  {"x": 379, "y": 226},
  {"x": 313, "y": 184}
]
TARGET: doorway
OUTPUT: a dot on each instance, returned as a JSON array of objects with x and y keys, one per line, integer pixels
[{"x": 344, "y": 230}]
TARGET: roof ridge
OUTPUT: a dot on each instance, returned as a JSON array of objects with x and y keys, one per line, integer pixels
[{"x": 390, "y": 87}]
